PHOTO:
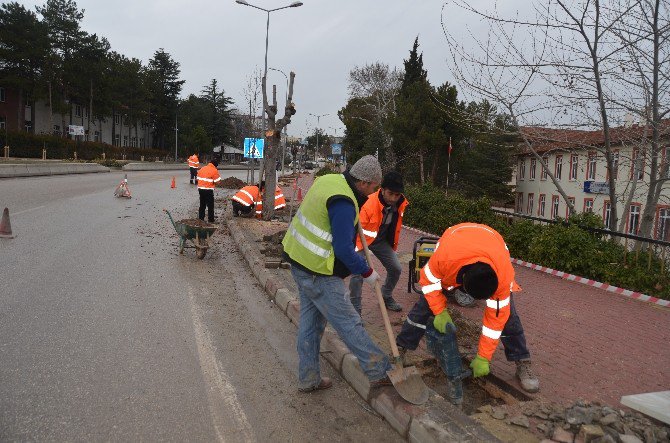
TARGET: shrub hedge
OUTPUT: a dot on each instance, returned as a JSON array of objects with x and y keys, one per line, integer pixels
[
  {"x": 565, "y": 246},
  {"x": 25, "y": 144}
]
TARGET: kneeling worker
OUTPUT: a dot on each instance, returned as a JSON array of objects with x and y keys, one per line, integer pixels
[
  {"x": 245, "y": 200},
  {"x": 474, "y": 258},
  {"x": 280, "y": 201},
  {"x": 208, "y": 177},
  {"x": 381, "y": 220}
]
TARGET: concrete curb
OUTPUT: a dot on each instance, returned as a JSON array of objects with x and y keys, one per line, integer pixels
[
  {"x": 436, "y": 421},
  {"x": 583, "y": 280},
  {"x": 40, "y": 169},
  {"x": 158, "y": 166}
]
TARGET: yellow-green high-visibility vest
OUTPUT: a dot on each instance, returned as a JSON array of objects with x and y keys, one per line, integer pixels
[{"x": 308, "y": 239}]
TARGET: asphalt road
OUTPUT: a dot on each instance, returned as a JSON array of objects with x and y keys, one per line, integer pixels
[{"x": 106, "y": 333}]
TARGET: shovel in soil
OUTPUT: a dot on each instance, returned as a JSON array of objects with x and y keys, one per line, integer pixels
[{"x": 406, "y": 381}]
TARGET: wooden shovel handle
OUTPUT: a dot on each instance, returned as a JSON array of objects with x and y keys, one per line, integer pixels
[{"x": 380, "y": 299}]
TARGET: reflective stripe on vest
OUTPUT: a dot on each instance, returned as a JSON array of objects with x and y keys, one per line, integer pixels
[
  {"x": 327, "y": 236},
  {"x": 491, "y": 333},
  {"x": 372, "y": 234},
  {"x": 318, "y": 250}
]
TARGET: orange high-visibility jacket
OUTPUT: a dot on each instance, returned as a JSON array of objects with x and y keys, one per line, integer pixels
[
  {"x": 280, "y": 202},
  {"x": 371, "y": 219},
  {"x": 465, "y": 244},
  {"x": 249, "y": 195},
  {"x": 208, "y": 177},
  {"x": 193, "y": 161}
]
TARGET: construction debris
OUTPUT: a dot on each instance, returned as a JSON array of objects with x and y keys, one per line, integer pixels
[{"x": 232, "y": 183}]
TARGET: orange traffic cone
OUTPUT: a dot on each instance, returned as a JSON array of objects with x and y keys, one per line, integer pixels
[
  {"x": 5, "y": 225},
  {"x": 172, "y": 185}
]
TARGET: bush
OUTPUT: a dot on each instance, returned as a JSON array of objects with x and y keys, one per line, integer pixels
[{"x": 328, "y": 168}]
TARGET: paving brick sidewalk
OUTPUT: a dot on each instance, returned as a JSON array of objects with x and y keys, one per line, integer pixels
[{"x": 585, "y": 342}]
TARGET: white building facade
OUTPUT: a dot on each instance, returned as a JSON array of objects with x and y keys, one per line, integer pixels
[{"x": 577, "y": 161}]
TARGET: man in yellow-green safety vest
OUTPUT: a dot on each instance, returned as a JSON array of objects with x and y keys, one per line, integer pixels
[{"x": 320, "y": 245}]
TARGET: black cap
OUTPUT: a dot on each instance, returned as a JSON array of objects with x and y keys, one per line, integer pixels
[
  {"x": 393, "y": 182},
  {"x": 479, "y": 280}
]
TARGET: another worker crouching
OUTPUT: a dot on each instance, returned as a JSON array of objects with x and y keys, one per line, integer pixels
[
  {"x": 244, "y": 201},
  {"x": 280, "y": 202}
]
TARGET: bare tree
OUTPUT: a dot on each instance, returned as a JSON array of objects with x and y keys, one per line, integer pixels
[
  {"x": 273, "y": 137},
  {"x": 252, "y": 97}
]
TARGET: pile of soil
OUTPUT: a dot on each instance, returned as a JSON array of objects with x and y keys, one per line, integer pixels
[
  {"x": 232, "y": 183},
  {"x": 195, "y": 222},
  {"x": 582, "y": 421}
]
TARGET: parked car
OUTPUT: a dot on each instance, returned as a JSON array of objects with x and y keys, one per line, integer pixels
[{"x": 308, "y": 165}]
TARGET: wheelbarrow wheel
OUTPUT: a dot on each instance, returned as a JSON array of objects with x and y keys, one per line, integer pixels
[{"x": 200, "y": 253}]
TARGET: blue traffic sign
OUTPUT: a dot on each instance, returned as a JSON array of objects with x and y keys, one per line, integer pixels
[{"x": 253, "y": 147}]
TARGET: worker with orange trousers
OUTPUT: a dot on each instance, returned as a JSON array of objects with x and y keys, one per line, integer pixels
[
  {"x": 474, "y": 258},
  {"x": 208, "y": 177},
  {"x": 381, "y": 219},
  {"x": 244, "y": 201},
  {"x": 193, "y": 165}
]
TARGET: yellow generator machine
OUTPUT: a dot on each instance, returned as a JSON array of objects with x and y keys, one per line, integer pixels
[{"x": 424, "y": 248}]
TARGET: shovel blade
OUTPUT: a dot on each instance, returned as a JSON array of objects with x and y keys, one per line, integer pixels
[{"x": 409, "y": 384}]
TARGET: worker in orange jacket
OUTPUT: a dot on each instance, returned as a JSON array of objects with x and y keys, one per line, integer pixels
[
  {"x": 474, "y": 258},
  {"x": 208, "y": 177},
  {"x": 381, "y": 220},
  {"x": 193, "y": 165},
  {"x": 245, "y": 200},
  {"x": 280, "y": 202}
]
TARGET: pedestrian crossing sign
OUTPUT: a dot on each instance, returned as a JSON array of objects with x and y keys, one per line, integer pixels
[{"x": 253, "y": 147}]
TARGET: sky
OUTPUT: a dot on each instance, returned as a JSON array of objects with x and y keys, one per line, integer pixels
[{"x": 321, "y": 41}]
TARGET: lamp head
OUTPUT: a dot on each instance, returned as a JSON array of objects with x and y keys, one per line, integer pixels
[
  {"x": 242, "y": 2},
  {"x": 294, "y": 4}
]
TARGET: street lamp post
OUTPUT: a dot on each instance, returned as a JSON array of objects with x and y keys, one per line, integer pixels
[
  {"x": 175, "y": 135},
  {"x": 267, "y": 33},
  {"x": 318, "y": 118}
]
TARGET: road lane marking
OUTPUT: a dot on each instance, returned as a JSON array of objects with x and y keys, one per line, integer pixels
[
  {"x": 226, "y": 402},
  {"x": 28, "y": 210}
]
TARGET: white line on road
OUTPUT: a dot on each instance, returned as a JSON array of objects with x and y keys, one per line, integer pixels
[
  {"x": 226, "y": 403},
  {"x": 27, "y": 210}
]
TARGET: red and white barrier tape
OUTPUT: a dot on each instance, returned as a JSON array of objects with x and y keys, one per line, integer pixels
[{"x": 596, "y": 284}]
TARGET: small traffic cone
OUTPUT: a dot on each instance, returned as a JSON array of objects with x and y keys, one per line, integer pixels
[
  {"x": 5, "y": 225},
  {"x": 173, "y": 185}
]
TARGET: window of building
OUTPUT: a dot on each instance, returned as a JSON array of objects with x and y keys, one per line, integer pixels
[
  {"x": 543, "y": 173},
  {"x": 125, "y": 140},
  {"x": 540, "y": 207},
  {"x": 588, "y": 205},
  {"x": 96, "y": 136},
  {"x": 2, "y": 95},
  {"x": 555, "y": 202},
  {"x": 591, "y": 166},
  {"x": 531, "y": 204},
  {"x": 28, "y": 126},
  {"x": 663, "y": 224},
  {"x": 117, "y": 119},
  {"x": 133, "y": 142},
  {"x": 142, "y": 143},
  {"x": 558, "y": 167},
  {"x": 573, "y": 166},
  {"x": 533, "y": 166},
  {"x": 615, "y": 165},
  {"x": 3, "y": 121},
  {"x": 519, "y": 202},
  {"x": 607, "y": 211},
  {"x": 522, "y": 169},
  {"x": 567, "y": 207},
  {"x": 117, "y": 140},
  {"x": 637, "y": 165},
  {"x": 633, "y": 222},
  {"x": 77, "y": 110}
]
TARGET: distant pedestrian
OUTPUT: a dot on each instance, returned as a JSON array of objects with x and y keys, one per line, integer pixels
[
  {"x": 208, "y": 177},
  {"x": 193, "y": 165}
]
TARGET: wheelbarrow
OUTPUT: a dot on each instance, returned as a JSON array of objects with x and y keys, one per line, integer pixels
[{"x": 197, "y": 232}]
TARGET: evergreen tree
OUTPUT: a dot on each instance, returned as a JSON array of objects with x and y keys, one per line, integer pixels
[
  {"x": 218, "y": 123},
  {"x": 164, "y": 87}
]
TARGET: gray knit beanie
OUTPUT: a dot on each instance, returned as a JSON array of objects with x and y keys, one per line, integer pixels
[{"x": 367, "y": 169}]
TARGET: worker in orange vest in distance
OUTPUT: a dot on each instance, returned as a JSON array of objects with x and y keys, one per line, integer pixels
[
  {"x": 280, "y": 202},
  {"x": 193, "y": 165},
  {"x": 208, "y": 177},
  {"x": 244, "y": 201},
  {"x": 474, "y": 258}
]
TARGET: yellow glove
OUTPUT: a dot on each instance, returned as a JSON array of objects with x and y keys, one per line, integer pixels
[
  {"x": 441, "y": 320},
  {"x": 480, "y": 367}
]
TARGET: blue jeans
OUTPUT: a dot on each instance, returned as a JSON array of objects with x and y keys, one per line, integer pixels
[
  {"x": 389, "y": 259},
  {"x": 512, "y": 338},
  {"x": 323, "y": 299}
]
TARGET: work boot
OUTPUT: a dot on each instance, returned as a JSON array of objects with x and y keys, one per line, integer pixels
[
  {"x": 325, "y": 383},
  {"x": 392, "y": 305},
  {"x": 528, "y": 380}
]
